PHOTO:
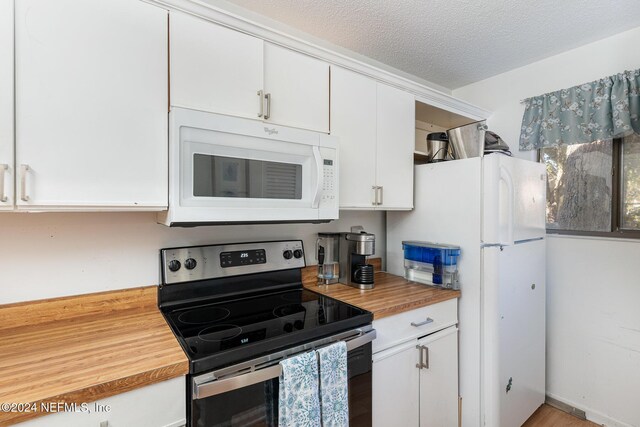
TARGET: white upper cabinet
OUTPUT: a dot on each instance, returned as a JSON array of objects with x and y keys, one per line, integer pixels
[
  {"x": 396, "y": 141},
  {"x": 296, "y": 89},
  {"x": 214, "y": 68},
  {"x": 353, "y": 114},
  {"x": 220, "y": 70},
  {"x": 91, "y": 105},
  {"x": 376, "y": 126},
  {"x": 6, "y": 105}
]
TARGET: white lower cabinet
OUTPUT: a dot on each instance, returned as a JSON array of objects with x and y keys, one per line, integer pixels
[
  {"x": 396, "y": 387},
  {"x": 439, "y": 379},
  {"x": 158, "y": 405},
  {"x": 415, "y": 375}
]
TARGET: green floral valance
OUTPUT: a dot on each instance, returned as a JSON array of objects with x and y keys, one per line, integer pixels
[{"x": 603, "y": 109}]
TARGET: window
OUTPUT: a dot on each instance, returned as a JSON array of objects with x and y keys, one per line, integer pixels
[{"x": 594, "y": 189}]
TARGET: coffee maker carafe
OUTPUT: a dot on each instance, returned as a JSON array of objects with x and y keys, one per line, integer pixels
[
  {"x": 355, "y": 247},
  {"x": 327, "y": 254}
]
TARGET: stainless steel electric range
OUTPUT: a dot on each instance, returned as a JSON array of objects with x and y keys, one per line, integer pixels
[{"x": 238, "y": 310}]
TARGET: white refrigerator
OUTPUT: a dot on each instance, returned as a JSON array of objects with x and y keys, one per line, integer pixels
[{"x": 493, "y": 208}]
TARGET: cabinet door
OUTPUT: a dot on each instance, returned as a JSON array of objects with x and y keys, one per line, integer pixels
[
  {"x": 138, "y": 407},
  {"x": 439, "y": 379},
  {"x": 353, "y": 115},
  {"x": 395, "y": 144},
  {"x": 214, "y": 68},
  {"x": 6, "y": 104},
  {"x": 395, "y": 386},
  {"x": 91, "y": 104},
  {"x": 298, "y": 87}
]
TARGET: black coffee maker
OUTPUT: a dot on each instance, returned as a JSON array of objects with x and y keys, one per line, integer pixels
[{"x": 355, "y": 248}]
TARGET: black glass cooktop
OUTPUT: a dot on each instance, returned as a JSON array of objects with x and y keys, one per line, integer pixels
[{"x": 221, "y": 333}]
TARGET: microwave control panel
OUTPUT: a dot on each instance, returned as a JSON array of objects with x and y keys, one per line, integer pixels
[
  {"x": 329, "y": 199},
  {"x": 328, "y": 182}
]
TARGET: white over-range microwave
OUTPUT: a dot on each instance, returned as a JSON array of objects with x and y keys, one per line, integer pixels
[{"x": 229, "y": 170}]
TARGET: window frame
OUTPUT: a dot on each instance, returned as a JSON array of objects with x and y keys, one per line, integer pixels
[{"x": 616, "y": 202}]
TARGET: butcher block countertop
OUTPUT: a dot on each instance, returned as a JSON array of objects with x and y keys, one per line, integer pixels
[
  {"x": 84, "y": 348},
  {"x": 391, "y": 294}
]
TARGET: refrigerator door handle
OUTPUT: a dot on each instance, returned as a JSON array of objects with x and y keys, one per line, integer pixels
[{"x": 505, "y": 176}]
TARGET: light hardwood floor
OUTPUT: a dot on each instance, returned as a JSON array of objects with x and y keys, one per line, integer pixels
[{"x": 546, "y": 416}]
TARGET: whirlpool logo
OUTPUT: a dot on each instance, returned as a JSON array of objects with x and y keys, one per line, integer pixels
[{"x": 273, "y": 131}]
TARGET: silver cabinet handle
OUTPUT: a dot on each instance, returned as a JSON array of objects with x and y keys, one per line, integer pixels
[
  {"x": 24, "y": 169},
  {"x": 380, "y": 199},
  {"x": 267, "y": 97},
  {"x": 420, "y": 361},
  {"x": 3, "y": 170},
  {"x": 426, "y": 322},
  {"x": 374, "y": 202},
  {"x": 261, "y": 94},
  {"x": 423, "y": 351}
]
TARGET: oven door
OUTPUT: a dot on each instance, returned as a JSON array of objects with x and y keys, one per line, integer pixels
[
  {"x": 227, "y": 169},
  {"x": 251, "y": 398}
]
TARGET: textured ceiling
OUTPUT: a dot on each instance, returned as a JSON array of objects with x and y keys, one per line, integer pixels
[{"x": 454, "y": 42}]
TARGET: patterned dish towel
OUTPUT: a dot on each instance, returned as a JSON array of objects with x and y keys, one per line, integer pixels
[
  {"x": 334, "y": 385},
  {"x": 299, "y": 402}
]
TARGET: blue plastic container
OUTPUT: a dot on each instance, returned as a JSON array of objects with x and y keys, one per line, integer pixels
[
  {"x": 431, "y": 253},
  {"x": 441, "y": 261}
]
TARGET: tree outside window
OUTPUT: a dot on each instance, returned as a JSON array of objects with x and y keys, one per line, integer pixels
[{"x": 594, "y": 188}]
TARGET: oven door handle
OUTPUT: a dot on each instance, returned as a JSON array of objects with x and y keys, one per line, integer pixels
[{"x": 219, "y": 386}]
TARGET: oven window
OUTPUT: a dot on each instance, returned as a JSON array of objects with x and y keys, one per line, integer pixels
[
  {"x": 217, "y": 176},
  {"x": 257, "y": 405},
  {"x": 252, "y": 406}
]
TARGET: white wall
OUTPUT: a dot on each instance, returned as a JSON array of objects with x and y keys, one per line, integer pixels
[
  {"x": 593, "y": 285},
  {"x": 501, "y": 94},
  {"x": 55, "y": 254}
]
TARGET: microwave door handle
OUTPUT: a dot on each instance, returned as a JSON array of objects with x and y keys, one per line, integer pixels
[{"x": 319, "y": 177}]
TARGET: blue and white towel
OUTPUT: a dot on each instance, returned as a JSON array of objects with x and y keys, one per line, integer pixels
[
  {"x": 299, "y": 402},
  {"x": 334, "y": 385}
]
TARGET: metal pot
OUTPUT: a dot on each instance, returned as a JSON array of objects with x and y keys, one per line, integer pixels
[
  {"x": 437, "y": 147},
  {"x": 468, "y": 140}
]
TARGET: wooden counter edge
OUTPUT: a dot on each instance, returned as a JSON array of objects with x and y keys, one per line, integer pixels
[
  {"x": 446, "y": 295},
  {"x": 28, "y": 313},
  {"x": 101, "y": 391}
]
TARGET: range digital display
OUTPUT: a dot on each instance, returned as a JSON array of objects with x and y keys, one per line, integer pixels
[{"x": 239, "y": 258}]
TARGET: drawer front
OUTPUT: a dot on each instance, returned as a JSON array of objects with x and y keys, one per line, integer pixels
[
  {"x": 159, "y": 405},
  {"x": 394, "y": 330}
]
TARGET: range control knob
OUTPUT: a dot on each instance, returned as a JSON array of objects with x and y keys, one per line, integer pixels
[
  {"x": 174, "y": 265},
  {"x": 190, "y": 263},
  {"x": 288, "y": 327},
  {"x": 287, "y": 254},
  {"x": 297, "y": 253}
]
